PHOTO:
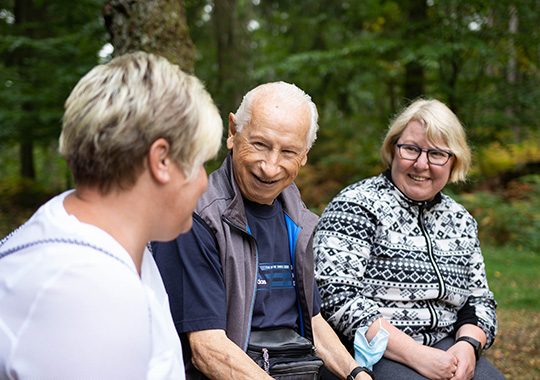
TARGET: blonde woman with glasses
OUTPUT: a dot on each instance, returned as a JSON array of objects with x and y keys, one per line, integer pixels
[{"x": 395, "y": 250}]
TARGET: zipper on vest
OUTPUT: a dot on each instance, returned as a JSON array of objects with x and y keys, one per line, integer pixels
[
  {"x": 293, "y": 231},
  {"x": 266, "y": 359},
  {"x": 254, "y": 293},
  {"x": 429, "y": 244}
]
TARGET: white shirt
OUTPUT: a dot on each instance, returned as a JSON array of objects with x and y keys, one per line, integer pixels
[{"x": 72, "y": 305}]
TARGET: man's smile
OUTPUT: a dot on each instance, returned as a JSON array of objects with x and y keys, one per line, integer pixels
[{"x": 267, "y": 182}]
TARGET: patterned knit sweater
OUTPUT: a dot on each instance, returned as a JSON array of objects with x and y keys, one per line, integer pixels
[{"x": 418, "y": 264}]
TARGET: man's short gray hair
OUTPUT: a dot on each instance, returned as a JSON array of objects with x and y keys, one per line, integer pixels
[{"x": 287, "y": 90}]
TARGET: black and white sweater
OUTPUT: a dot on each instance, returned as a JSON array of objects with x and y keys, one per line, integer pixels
[{"x": 418, "y": 264}]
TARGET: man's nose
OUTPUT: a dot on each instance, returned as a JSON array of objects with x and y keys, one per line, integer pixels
[{"x": 270, "y": 164}]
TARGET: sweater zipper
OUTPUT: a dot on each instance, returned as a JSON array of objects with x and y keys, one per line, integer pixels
[
  {"x": 442, "y": 286},
  {"x": 255, "y": 282}
]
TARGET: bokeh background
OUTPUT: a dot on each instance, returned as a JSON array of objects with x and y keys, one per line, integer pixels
[{"x": 360, "y": 60}]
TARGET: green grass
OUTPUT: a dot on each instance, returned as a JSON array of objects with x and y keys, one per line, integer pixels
[
  {"x": 514, "y": 277},
  {"x": 516, "y": 351}
]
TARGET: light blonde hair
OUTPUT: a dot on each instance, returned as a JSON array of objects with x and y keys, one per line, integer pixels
[
  {"x": 116, "y": 112},
  {"x": 289, "y": 92},
  {"x": 442, "y": 127}
]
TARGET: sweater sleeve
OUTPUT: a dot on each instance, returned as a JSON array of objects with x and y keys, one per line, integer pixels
[
  {"x": 342, "y": 247},
  {"x": 480, "y": 307}
]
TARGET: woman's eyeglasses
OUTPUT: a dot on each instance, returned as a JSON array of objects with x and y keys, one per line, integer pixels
[{"x": 435, "y": 156}]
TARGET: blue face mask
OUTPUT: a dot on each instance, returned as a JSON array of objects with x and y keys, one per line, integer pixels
[{"x": 367, "y": 353}]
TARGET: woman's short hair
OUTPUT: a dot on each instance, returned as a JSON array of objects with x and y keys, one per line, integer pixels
[
  {"x": 286, "y": 90},
  {"x": 116, "y": 112},
  {"x": 442, "y": 127}
]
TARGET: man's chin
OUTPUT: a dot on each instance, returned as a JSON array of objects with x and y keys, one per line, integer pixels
[{"x": 263, "y": 199}]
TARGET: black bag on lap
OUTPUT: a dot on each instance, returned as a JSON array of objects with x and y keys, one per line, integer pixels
[{"x": 284, "y": 354}]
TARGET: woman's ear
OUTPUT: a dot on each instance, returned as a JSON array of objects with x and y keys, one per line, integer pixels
[{"x": 159, "y": 161}]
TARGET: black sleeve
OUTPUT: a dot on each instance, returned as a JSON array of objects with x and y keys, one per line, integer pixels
[
  {"x": 466, "y": 315},
  {"x": 316, "y": 299},
  {"x": 191, "y": 271}
]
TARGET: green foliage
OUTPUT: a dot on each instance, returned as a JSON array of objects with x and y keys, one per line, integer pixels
[
  {"x": 512, "y": 273},
  {"x": 495, "y": 157},
  {"x": 19, "y": 199},
  {"x": 43, "y": 54},
  {"x": 22, "y": 193},
  {"x": 52, "y": 171},
  {"x": 351, "y": 57},
  {"x": 509, "y": 219}
]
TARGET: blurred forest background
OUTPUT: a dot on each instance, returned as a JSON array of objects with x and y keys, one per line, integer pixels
[{"x": 361, "y": 61}]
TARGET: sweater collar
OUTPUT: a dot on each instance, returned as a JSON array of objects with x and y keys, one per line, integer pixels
[{"x": 426, "y": 204}]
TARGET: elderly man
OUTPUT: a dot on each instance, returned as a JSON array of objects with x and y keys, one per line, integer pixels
[
  {"x": 254, "y": 238},
  {"x": 80, "y": 294}
]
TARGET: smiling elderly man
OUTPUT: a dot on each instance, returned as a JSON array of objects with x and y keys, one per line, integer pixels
[{"x": 253, "y": 234}]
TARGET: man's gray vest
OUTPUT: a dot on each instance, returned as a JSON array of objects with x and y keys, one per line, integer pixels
[{"x": 222, "y": 208}]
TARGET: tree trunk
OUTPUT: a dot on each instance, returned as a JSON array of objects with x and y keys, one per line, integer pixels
[
  {"x": 153, "y": 26},
  {"x": 511, "y": 75},
  {"x": 414, "y": 81},
  {"x": 231, "y": 67},
  {"x": 25, "y": 14},
  {"x": 414, "y": 71},
  {"x": 26, "y": 153},
  {"x": 224, "y": 21},
  {"x": 452, "y": 85}
]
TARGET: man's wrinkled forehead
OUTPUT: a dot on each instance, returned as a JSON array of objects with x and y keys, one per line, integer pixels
[{"x": 275, "y": 107}]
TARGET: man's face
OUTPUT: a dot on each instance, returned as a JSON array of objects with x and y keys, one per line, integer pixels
[{"x": 269, "y": 151}]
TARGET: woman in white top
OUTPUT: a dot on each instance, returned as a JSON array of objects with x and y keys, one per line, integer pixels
[{"x": 80, "y": 294}]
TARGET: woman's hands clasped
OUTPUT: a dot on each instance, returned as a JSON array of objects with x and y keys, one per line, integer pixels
[
  {"x": 435, "y": 364},
  {"x": 458, "y": 363},
  {"x": 464, "y": 353}
]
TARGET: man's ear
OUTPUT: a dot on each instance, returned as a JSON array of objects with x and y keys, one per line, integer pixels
[
  {"x": 159, "y": 162},
  {"x": 232, "y": 131},
  {"x": 304, "y": 160}
]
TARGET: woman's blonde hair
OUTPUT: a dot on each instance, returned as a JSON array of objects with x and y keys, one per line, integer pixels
[
  {"x": 442, "y": 127},
  {"x": 116, "y": 112}
]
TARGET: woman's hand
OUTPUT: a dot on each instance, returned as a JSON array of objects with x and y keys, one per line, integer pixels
[
  {"x": 430, "y": 362},
  {"x": 434, "y": 363},
  {"x": 464, "y": 352},
  {"x": 364, "y": 376}
]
